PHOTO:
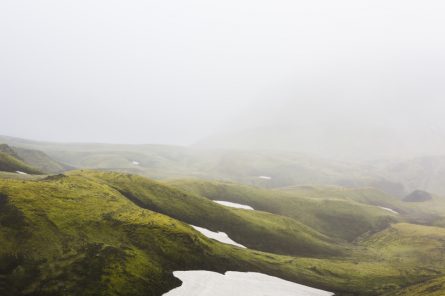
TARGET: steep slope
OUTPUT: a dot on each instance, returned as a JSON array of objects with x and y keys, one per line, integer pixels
[
  {"x": 72, "y": 236},
  {"x": 40, "y": 160},
  {"x": 10, "y": 162},
  {"x": 256, "y": 230},
  {"x": 76, "y": 234}
]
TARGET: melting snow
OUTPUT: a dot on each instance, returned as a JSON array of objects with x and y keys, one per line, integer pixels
[
  {"x": 219, "y": 236},
  {"x": 265, "y": 177},
  {"x": 233, "y": 205},
  {"x": 21, "y": 173},
  {"x": 389, "y": 210},
  {"x": 135, "y": 162},
  {"x": 232, "y": 283}
]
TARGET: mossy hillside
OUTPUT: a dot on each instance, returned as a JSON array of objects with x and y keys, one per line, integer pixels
[
  {"x": 9, "y": 163},
  {"x": 75, "y": 234},
  {"x": 414, "y": 254},
  {"x": 163, "y": 161},
  {"x": 365, "y": 195},
  {"x": 432, "y": 287},
  {"x": 338, "y": 218},
  {"x": 283, "y": 235},
  {"x": 16, "y": 176},
  {"x": 72, "y": 235},
  {"x": 415, "y": 250},
  {"x": 431, "y": 212},
  {"x": 8, "y": 150},
  {"x": 409, "y": 245},
  {"x": 41, "y": 161},
  {"x": 256, "y": 230}
]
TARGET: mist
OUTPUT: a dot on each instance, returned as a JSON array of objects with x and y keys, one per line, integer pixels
[{"x": 301, "y": 75}]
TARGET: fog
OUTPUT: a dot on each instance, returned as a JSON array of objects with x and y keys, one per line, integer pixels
[{"x": 187, "y": 72}]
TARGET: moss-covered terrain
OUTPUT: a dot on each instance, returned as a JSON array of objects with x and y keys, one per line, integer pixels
[
  {"x": 343, "y": 218},
  {"x": 107, "y": 233},
  {"x": 10, "y": 162}
]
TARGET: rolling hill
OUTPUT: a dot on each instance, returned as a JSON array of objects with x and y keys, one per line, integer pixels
[
  {"x": 281, "y": 168},
  {"x": 11, "y": 162},
  {"x": 338, "y": 218},
  {"x": 108, "y": 233}
]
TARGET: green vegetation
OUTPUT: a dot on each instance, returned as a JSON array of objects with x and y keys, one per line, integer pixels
[
  {"x": 409, "y": 245},
  {"x": 40, "y": 160},
  {"x": 109, "y": 233},
  {"x": 10, "y": 162},
  {"x": 256, "y": 230},
  {"x": 432, "y": 287},
  {"x": 163, "y": 161},
  {"x": 339, "y": 218},
  {"x": 30, "y": 161}
]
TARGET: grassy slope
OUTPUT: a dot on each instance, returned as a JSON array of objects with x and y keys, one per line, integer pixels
[
  {"x": 365, "y": 195},
  {"x": 409, "y": 245},
  {"x": 9, "y": 163},
  {"x": 414, "y": 249},
  {"x": 74, "y": 234},
  {"x": 256, "y": 230},
  {"x": 162, "y": 161},
  {"x": 430, "y": 212},
  {"x": 338, "y": 218},
  {"x": 40, "y": 160},
  {"x": 432, "y": 287},
  {"x": 69, "y": 235}
]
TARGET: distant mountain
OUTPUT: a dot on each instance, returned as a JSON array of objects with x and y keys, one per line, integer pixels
[
  {"x": 263, "y": 168},
  {"x": 425, "y": 173}
]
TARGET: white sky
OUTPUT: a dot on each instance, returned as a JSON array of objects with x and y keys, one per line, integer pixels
[{"x": 176, "y": 71}]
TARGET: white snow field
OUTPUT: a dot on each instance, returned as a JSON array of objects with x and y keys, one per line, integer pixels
[
  {"x": 232, "y": 283},
  {"x": 233, "y": 205},
  {"x": 21, "y": 173},
  {"x": 389, "y": 210},
  {"x": 135, "y": 162},
  {"x": 265, "y": 177},
  {"x": 218, "y": 236}
]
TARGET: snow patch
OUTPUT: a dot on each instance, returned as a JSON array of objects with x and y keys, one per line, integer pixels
[
  {"x": 389, "y": 210},
  {"x": 233, "y": 283},
  {"x": 233, "y": 205},
  {"x": 265, "y": 177},
  {"x": 135, "y": 162},
  {"x": 21, "y": 173},
  {"x": 218, "y": 236}
]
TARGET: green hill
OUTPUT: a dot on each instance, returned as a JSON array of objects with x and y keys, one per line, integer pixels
[
  {"x": 29, "y": 161},
  {"x": 40, "y": 160},
  {"x": 254, "y": 229},
  {"x": 164, "y": 161},
  {"x": 97, "y": 233},
  {"x": 342, "y": 218},
  {"x": 432, "y": 287},
  {"x": 10, "y": 162}
]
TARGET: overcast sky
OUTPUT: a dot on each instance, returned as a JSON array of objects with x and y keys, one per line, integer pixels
[{"x": 177, "y": 71}]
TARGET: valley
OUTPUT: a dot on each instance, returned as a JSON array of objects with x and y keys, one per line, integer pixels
[{"x": 113, "y": 232}]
